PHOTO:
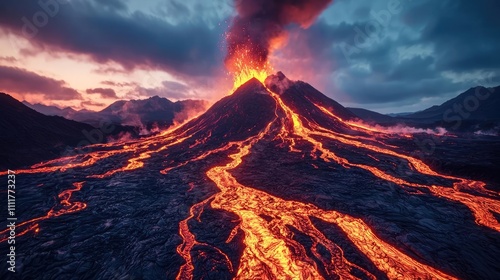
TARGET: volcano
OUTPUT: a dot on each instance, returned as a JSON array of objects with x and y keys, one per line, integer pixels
[{"x": 275, "y": 181}]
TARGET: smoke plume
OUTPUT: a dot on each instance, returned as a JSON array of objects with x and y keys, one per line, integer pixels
[{"x": 260, "y": 26}]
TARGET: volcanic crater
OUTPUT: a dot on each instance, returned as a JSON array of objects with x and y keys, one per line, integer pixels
[{"x": 275, "y": 181}]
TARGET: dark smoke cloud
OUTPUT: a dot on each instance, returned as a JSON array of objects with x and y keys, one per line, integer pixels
[
  {"x": 103, "y": 31},
  {"x": 104, "y": 92},
  {"x": 22, "y": 81},
  {"x": 260, "y": 22}
]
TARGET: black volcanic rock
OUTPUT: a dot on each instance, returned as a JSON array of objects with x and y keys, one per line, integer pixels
[
  {"x": 303, "y": 98},
  {"x": 236, "y": 117},
  {"x": 27, "y": 136},
  {"x": 163, "y": 199}
]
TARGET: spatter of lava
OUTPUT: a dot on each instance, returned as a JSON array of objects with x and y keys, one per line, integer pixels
[
  {"x": 259, "y": 28},
  {"x": 269, "y": 249}
]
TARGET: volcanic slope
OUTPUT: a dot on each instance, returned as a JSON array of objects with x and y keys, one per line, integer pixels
[{"x": 275, "y": 181}]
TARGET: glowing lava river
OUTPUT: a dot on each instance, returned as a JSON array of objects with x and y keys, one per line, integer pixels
[{"x": 272, "y": 182}]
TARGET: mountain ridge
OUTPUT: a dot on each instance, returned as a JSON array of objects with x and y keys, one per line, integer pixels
[
  {"x": 28, "y": 136},
  {"x": 149, "y": 112},
  {"x": 478, "y": 103},
  {"x": 285, "y": 164}
]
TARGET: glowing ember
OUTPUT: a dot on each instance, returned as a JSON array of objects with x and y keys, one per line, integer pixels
[
  {"x": 266, "y": 223},
  {"x": 243, "y": 68},
  {"x": 258, "y": 29}
]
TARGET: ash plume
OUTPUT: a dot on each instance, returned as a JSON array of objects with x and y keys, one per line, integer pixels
[{"x": 260, "y": 26}]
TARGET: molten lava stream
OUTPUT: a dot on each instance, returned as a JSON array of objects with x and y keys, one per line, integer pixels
[
  {"x": 138, "y": 161},
  {"x": 479, "y": 206},
  {"x": 268, "y": 254},
  {"x": 200, "y": 157},
  {"x": 67, "y": 208},
  {"x": 189, "y": 241},
  {"x": 167, "y": 138}
]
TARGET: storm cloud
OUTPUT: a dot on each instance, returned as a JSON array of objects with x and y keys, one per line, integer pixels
[
  {"x": 385, "y": 55},
  {"x": 21, "y": 81},
  {"x": 105, "y": 32},
  {"x": 103, "y": 92},
  {"x": 388, "y": 54}
]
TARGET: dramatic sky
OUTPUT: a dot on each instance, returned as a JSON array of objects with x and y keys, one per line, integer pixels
[{"x": 384, "y": 55}]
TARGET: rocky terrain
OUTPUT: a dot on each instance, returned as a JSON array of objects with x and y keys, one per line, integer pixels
[{"x": 272, "y": 181}]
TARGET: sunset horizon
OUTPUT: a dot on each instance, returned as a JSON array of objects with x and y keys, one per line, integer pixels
[{"x": 250, "y": 139}]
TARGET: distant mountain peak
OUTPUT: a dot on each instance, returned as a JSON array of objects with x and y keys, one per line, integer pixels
[{"x": 477, "y": 103}]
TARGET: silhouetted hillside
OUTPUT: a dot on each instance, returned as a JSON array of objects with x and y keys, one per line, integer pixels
[{"x": 27, "y": 136}]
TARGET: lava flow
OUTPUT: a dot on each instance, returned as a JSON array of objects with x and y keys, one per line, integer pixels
[
  {"x": 67, "y": 208},
  {"x": 268, "y": 244},
  {"x": 273, "y": 234}
]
